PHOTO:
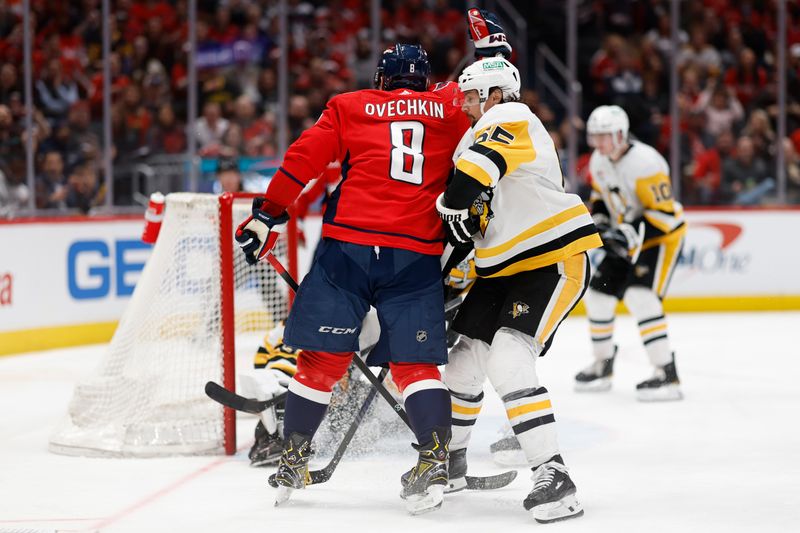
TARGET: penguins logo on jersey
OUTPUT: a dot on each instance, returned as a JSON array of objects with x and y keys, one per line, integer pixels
[
  {"x": 482, "y": 210},
  {"x": 519, "y": 309}
]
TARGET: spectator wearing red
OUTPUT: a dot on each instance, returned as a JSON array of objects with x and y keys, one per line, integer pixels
[
  {"x": 705, "y": 188},
  {"x": 169, "y": 134},
  {"x": 747, "y": 78}
]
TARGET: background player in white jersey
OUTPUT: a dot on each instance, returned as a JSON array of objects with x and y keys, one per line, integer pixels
[
  {"x": 642, "y": 228},
  {"x": 507, "y": 198}
]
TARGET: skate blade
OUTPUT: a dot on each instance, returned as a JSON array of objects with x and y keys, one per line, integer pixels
[
  {"x": 510, "y": 458},
  {"x": 667, "y": 393},
  {"x": 265, "y": 462},
  {"x": 596, "y": 385},
  {"x": 456, "y": 485},
  {"x": 424, "y": 503},
  {"x": 564, "y": 509},
  {"x": 282, "y": 495}
]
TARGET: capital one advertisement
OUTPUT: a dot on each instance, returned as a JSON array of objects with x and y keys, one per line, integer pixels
[{"x": 739, "y": 253}]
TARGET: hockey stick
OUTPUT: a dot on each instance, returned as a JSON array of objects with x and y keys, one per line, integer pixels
[
  {"x": 325, "y": 473},
  {"x": 473, "y": 482},
  {"x": 223, "y": 396}
]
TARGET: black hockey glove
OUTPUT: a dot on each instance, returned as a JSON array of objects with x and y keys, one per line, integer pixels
[
  {"x": 259, "y": 232},
  {"x": 624, "y": 241},
  {"x": 459, "y": 224}
]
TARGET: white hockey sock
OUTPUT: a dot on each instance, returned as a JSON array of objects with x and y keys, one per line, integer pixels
[
  {"x": 465, "y": 413},
  {"x": 649, "y": 312},
  {"x": 531, "y": 415},
  {"x": 600, "y": 309}
]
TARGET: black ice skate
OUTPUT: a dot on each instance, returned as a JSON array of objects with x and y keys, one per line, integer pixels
[
  {"x": 457, "y": 471},
  {"x": 267, "y": 448},
  {"x": 553, "y": 495},
  {"x": 597, "y": 376},
  {"x": 424, "y": 485},
  {"x": 663, "y": 386},
  {"x": 293, "y": 466}
]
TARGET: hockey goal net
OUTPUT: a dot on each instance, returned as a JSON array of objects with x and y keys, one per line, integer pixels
[{"x": 196, "y": 300}]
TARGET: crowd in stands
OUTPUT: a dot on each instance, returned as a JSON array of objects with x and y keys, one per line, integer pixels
[{"x": 727, "y": 97}]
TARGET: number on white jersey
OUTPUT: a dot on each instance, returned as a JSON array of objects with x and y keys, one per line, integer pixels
[{"x": 407, "y": 158}]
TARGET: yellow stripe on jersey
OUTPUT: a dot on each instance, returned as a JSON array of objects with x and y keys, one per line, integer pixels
[
  {"x": 657, "y": 223},
  {"x": 575, "y": 247},
  {"x": 511, "y": 140},
  {"x": 474, "y": 171},
  {"x": 655, "y": 192},
  {"x": 527, "y": 408},
  {"x": 673, "y": 237},
  {"x": 575, "y": 272},
  {"x": 536, "y": 229}
]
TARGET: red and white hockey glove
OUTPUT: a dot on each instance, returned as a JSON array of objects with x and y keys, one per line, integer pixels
[
  {"x": 258, "y": 234},
  {"x": 487, "y": 34}
]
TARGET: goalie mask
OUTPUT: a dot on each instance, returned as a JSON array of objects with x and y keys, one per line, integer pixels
[{"x": 403, "y": 66}]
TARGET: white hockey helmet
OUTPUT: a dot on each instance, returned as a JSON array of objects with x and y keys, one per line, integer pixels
[
  {"x": 491, "y": 72},
  {"x": 608, "y": 119}
]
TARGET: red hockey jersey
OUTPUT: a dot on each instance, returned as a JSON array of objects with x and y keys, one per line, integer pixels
[{"x": 396, "y": 151}]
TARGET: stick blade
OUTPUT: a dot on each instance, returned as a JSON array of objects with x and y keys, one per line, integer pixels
[
  {"x": 497, "y": 481},
  {"x": 221, "y": 395}
]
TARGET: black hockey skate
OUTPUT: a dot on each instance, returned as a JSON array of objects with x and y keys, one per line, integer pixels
[
  {"x": 553, "y": 495},
  {"x": 597, "y": 376},
  {"x": 424, "y": 485},
  {"x": 663, "y": 386},
  {"x": 293, "y": 467},
  {"x": 267, "y": 448},
  {"x": 457, "y": 471}
]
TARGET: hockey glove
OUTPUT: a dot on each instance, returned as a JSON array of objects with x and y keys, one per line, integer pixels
[
  {"x": 624, "y": 241},
  {"x": 258, "y": 234},
  {"x": 602, "y": 222},
  {"x": 459, "y": 224},
  {"x": 487, "y": 34}
]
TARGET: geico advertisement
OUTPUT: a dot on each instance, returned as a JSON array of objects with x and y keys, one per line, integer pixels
[
  {"x": 739, "y": 253},
  {"x": 62, "y": 273}
]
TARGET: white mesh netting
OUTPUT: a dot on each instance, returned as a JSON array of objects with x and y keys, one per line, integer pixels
[{"x": 147, "y": 397}]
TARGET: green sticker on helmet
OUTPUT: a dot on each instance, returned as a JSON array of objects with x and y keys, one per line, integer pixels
[{"x": 493, "y": 65}]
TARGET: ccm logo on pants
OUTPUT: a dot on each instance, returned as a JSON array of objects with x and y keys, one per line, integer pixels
[{"x": 336, "y": 331}]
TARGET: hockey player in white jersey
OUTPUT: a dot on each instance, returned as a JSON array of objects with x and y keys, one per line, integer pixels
[
  {"x": 507, "y": 198},
  {"x": 642, "y": 228}
]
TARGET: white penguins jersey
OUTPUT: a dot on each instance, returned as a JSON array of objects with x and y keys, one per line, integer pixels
[
  {"x": 527, "y": 219},
  {"x": 637, "y": 187}
]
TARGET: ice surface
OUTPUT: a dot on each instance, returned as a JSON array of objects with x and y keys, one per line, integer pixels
[{"x": 727, "y": 458}]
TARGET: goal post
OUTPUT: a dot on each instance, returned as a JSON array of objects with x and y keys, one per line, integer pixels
[{"x": 197, "y": 307}]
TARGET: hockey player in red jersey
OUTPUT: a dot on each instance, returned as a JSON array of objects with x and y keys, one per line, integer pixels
[{"x": 381, "y": 242}]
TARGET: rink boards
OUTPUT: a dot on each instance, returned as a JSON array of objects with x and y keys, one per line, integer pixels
[{"x": 66, "y": 281}]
